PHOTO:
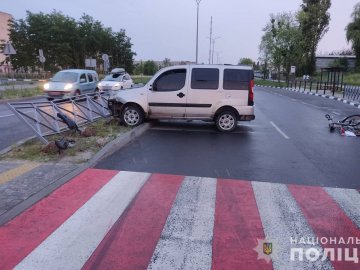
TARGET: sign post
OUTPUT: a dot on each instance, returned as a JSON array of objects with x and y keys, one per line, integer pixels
[
  {"x": 42, "y": 60},
  {"x": 105, "y": 58}
]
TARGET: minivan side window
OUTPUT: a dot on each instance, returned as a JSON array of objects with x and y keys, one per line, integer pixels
[
  {"x": 172, "y": 80},
  {"x": 83, "y": 76},
  {"x": 90, "y": 78},
  {"x": 237, "y": 79},
  {"x": 205, "y": 78}
]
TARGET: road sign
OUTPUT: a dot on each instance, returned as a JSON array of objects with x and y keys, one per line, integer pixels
[
  {"x": 293, "y": 69},
  {"x": 105, "y": 57},
  {"x": 91, "y": 63},
  {"x": 9, "y": 49},
  {"x": 42, "y": 59}
]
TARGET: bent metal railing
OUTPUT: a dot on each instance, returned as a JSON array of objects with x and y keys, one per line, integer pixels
[{"x": 42, "y": 116}]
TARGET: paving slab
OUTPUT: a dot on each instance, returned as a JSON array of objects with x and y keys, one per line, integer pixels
[{"x": 25, "y": 185}]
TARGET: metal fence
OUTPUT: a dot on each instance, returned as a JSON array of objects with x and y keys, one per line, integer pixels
[
  {"x": 352, "y": 92},
  {"x": 43, "y": 116},
  {"x": 316, "y": 86}
]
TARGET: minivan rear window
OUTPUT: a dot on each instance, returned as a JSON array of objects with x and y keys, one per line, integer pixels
[
  {"x": 205, "y": 78},
  {"x": 237, "y": 79}
]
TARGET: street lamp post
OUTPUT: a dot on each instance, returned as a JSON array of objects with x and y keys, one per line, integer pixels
[{"x": 197, "y": 30}]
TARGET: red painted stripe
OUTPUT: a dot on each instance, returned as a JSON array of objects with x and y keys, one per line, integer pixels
[
  {"x": 326, "y": 219},
  {"x": 237, "y": 227},
  {"x": 24, "y": 233},
  {"x": 132, "y": 240}
]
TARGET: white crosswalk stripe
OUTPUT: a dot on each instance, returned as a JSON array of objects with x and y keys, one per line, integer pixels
[
  {"x": 349, "y": 201},
  {"x": 186, "y": 241},
  {"x": 79, "y": 236},
  {"x": 282, "y": 220}
]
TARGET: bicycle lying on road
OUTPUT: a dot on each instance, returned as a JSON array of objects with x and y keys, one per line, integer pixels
[{"x": 349, "y": 126}]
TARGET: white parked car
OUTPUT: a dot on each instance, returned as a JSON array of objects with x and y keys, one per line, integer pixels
[
  {"x": 222, "y": 93},
  {"x": 116, "y": 81}
]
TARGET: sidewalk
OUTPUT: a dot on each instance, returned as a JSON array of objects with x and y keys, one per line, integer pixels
[
  {"x": 21, "y": 180},
  {"x": 320, "y": 93}
]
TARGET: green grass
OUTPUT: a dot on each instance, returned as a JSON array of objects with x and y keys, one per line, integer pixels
[
  {"x": 269, "y": 83},
  {"x": 20, "y": 93},
  {"x": 140, "y": 79},
  {"x": 352, "y": 78},
  {"x": 33, "y": 150}
]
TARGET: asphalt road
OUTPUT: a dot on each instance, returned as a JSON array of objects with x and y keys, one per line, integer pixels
[
  {"x": 12, "y": 129},
  {"x": 289, "y": 142}
]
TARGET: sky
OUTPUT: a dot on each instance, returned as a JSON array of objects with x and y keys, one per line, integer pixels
[{"x": 167, "y": 28}]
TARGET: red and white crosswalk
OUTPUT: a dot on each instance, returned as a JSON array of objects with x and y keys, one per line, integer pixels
[{"x": 127, "y": 220}]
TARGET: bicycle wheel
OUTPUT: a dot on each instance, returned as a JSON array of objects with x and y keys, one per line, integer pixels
[{"x": 352, "y": 120}]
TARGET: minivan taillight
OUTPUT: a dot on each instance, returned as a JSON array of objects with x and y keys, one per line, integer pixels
[{"x": 251, "y": 93}]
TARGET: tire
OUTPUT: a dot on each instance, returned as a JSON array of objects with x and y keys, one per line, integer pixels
[
  {"x": 132, "y": 116},
  {"x": 50, "y": 99},
  {"x": 226, "y": 121}
]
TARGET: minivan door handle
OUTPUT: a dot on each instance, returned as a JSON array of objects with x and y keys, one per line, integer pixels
[{"x": 181, "y": 95}]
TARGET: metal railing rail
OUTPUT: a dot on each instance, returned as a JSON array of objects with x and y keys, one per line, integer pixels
[{"x": 42, "y": 116}]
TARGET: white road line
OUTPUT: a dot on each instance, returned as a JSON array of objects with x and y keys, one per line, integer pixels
[
  {"x": 336, "y": 113},
  {"x": 186, "y": 240},
  {"x": 349, "y": 201},
  {"x": 279, "y": 130},
  {"x": 7, "y": 115},
  {"x": 70, "y": 246},
  {"x": 282, "y": 220}
]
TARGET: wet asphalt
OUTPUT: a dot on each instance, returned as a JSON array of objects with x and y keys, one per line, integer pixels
[{"x": 288, "y": 142}]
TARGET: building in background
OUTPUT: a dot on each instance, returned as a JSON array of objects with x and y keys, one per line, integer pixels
[
  {"x": 326, "y": 61},
  {"x": 4, "y": 37}
]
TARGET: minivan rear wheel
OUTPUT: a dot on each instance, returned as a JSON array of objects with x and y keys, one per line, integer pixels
[
  {"x": 226, "y": 121},
  {"x": 132, "y": 116}
]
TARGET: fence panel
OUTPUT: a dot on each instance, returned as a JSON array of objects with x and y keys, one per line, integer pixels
[{"x": 352, "y": 93}]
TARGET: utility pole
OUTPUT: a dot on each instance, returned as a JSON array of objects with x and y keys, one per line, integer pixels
[
  {"x": 210, "y": 40},
  {"x": 213, "y": 49},
  {"x": 197, "y": 30}
]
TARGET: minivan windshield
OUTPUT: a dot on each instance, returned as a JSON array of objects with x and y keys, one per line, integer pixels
[
  {"x": 113, "y": 77},
  {"x": 68, "y": 77}
]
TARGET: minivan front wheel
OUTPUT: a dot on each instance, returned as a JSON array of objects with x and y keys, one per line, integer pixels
[
  {"x": 132, "y": 116},
  {"x": 226, "y": 121}
]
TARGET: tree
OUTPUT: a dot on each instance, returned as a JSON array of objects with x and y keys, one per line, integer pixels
[
  {"x": 314, "y": 20},
  {"x": 280, "y": 43},
  {"x": 353, "y": 33},
  {"x": 246, "y": 61},
  {"x": 150, "y": 68},
  {"x": 166, "y": 62},
  {"x": 66, "y": 42}
]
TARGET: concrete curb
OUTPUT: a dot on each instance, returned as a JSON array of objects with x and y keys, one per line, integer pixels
[
  {"x": 9, "y": 148},
  {"x": 107, "y": 150},
  {"x": 352, "y": 103}
]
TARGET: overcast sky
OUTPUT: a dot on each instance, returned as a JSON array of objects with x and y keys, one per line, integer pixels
[{"x": 167, "y": 28}]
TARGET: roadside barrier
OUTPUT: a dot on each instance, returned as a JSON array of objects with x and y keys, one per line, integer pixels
[{"x": 43, "y": 117}]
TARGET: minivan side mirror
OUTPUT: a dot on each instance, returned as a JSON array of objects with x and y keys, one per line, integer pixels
[
  {"x": 153, "y": 87},
  {"x": 82, "y": 80}
]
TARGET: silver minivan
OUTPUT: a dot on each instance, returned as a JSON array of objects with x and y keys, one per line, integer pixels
[
  {"x": 71, "y": 82},
  {"x": 220, "y": 93}
]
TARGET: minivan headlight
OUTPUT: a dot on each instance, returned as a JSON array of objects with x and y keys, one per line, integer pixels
[
  {"x": 68, "y": 86},
  {"x": 46, "y": 86},
  {"x": 116, "y": 84}
]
